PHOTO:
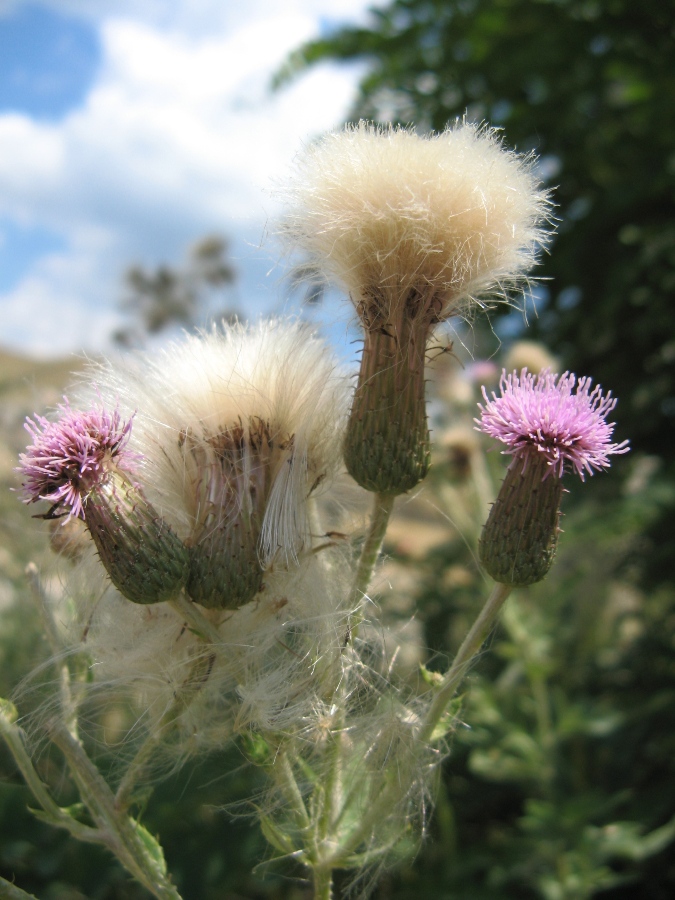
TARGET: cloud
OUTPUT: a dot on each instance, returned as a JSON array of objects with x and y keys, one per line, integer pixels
[
  {"x": 194, "y": 17},
  {"x": 178, "y": 136}
]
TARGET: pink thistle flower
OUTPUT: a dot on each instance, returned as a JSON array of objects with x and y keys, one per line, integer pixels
[
  {"x": 71, "y": 456},
  {"x": 542, "y": 417}
]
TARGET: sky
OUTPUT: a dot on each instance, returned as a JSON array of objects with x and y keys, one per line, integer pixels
[{"x": 130, "y": 129}]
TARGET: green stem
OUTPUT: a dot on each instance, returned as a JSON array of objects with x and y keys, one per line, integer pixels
[
  {"x": 9, "y": 891},
  {"x": 288, "y": 784},
  {"x": 380, "y": 809},
  {"x": 199, "y": 674},
  {"x": 332, "y": 787},
  {"x": 197, "y": 621},
  {"x": 382, "y": 507},
  {"x": 14, "y": 738},
  {"x": 323, "y": 884},
  {"x": 68, "y": 703},
  {"x": 470, "y": 647},
  {"x": 118, "y": 831}
]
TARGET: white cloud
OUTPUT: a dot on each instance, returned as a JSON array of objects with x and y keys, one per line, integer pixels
[
  {"x": 177, "y": 137},
  {"x": 194, "y": 17}
]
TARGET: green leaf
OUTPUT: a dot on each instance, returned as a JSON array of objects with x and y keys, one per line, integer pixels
[
  {"x": 433, "y": 679},
  {"x": 275, "y": 836},
  {"x": 151, "y": 845}
]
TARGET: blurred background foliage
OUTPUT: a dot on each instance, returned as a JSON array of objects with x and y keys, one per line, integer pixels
[
  {"x": 560, "y": 784},
  {"x": 170, "y": 296}
]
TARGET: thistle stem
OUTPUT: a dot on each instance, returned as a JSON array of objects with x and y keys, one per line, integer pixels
[
  {"x": 197, "y": 621},
  {"x": 323, "y": 884},
  {"x": 380, "y": 809},
  {"x": 68, "y": 703},
  {"x": 117, "y": 830},
  {"x": 14, "y": 738},
  {"x": 382, "y": 508},
  {"x": 468, "y": 650},
  {"x": 198, "y": 676},
  {"x": 471, "y": 645},
  {"x": 332, "y": 787},
  {"x": 287, "y": 782}
]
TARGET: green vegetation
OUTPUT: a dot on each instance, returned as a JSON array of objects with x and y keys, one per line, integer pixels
[{"x": 560, "y": 784}]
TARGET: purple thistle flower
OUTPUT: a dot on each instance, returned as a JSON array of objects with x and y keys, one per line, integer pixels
[
  {"x": 543, "y": 417},
  {"x": 69, "y": 457}
]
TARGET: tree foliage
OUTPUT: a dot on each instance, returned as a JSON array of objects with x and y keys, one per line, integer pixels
[{"x": 159, "y": 299}]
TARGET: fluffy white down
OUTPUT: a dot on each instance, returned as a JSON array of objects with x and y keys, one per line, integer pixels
[
  {"x": 387, "y": 208},
  {"x": 276, "y": 652},
  {"x": 278, "y": 371},
  {"x": 267, "y": 672}
]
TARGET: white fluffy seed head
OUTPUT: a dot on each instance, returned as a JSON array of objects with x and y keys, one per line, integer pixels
[
  {"x": 192, "y": 393},
  {"x": 274, "y": 658},
  {"x": 275, "y": 653},
  {"x": 384, "y": 209}
]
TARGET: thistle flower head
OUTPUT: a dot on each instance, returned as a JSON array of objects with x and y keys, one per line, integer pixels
[
  {"x": 70, "y": 456},
  {"x": 237, "y": 427},
  {"x": 544, "y": 417},
  {"x": 428, "y": 221}
]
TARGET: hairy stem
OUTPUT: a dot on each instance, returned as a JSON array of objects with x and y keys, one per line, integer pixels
[
  {"x": 196, "y": 619},
  {"x": 14, "y": 738},
  {"x": 382, "y": 507},
  {"x": 68, "y": 703},
  {"x": 470, "y": 647},
  {"x": 118, "y": 831},
  {"x": 286, "y": 780},
  {"x": 199, "y": 674},
  {"x": 332, "y": 787},
  {"x": 323, "y": 884}
]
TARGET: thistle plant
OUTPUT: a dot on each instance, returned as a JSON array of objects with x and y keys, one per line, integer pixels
[
  {"x": 547, "y": 427},
  {"x": 216, "y": 592},
  {"x": 81, "y": 461},
  {"x": 416, "y": 229}
]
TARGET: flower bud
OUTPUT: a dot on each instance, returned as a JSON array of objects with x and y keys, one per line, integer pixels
[
  {"x": 80, "y": 464},
  {"x": 145, "y": 559},
  {"x": 387, "y": 440},
  {"x": 235, "y": 479},
  {"x": 550, "y": 424},
  {"x": 518, "y": 543}
]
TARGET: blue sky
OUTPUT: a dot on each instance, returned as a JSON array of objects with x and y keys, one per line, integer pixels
[
  {"x": 47, "y": 61},
  {"x": 131, "y": 128}
]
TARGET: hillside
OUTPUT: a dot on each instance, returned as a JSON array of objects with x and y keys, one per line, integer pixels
[{"x": 26, "y": 386}]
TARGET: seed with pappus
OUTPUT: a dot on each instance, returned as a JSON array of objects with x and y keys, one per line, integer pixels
[
  {"x": 81, "y": 464},
  {"x": 550, "y": 424},
  {"x": 414, "y": 228}
]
